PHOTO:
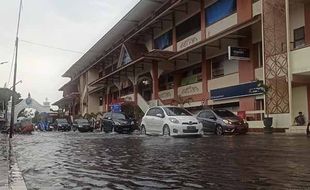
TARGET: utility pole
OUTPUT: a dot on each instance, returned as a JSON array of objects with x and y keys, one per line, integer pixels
[{"x": 15, "y": 71}]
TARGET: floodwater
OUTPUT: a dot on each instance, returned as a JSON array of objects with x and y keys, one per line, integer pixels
[{"x": 75, "y": 160}]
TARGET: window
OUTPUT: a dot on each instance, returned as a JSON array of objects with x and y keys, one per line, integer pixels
[
  {"x": 176, "y": 111},
  {"x": 100, "y": 74},
  {"x": 220, "y": 10},
  {"x": 217, "y": 69},
  {"x": 166, "y": 82},
  {"x": 159, "y": 111},
  {"x": 188, "y": 27},
  {"x": 209, "y": 114},
  {"x": 151, "y": 112},
  {"x": 203, "y": 115},
  {"x": 107, "y": 115},
  {"x": 299, "y": 37},
  {"x": 191, "y": 76},
  {"x": 163, "y": 41}
]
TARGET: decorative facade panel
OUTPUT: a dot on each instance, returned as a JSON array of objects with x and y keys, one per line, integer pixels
[{"x": 276, "y": 56}]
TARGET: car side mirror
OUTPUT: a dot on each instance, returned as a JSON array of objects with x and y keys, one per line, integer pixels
[{"x": 159, "y": 115}]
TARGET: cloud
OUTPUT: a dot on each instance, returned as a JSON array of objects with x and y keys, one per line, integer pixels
[{"x": 69, "y": 24}]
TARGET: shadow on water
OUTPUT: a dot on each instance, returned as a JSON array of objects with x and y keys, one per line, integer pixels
[{"x": 98, "y": 160}]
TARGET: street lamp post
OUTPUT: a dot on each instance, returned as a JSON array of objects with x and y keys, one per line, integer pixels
[{"x": 15, "y": 71}]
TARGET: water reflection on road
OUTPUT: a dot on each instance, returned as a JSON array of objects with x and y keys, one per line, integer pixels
[{"x": 97, "y": 160}]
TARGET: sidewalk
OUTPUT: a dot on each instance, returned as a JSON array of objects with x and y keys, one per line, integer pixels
[{"x": 4, "y": 166}]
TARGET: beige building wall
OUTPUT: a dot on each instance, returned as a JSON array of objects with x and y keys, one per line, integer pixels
[{"x": 300, "y": 101}]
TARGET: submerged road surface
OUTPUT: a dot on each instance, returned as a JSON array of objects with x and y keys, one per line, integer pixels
[{"x": 96, "y": 161}]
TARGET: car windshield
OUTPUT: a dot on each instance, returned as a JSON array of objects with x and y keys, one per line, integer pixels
[
  {"x": 61, "y": 121},
  {"x": 84, "y": 121},
  {"x": 175, "y": 111},
  {"x": 119, "y": 116},
  {"x": 224, "y": 113}
]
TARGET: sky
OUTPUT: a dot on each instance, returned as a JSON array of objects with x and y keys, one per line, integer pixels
[{"x": 67, "y": 24}]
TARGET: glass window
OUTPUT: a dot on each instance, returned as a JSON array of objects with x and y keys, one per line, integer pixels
[
  {"x": 107, "y": 115},
  {"x": 176, "y": 111},
  {"x": 219, "y": 10},
  {"x": 188, "y": 27},
  {"x": 119, "y": 116},
  {"x": 299, "y": 37},
  {"x": 203, "y": 115},
  {"x": 151, "y": 112},
  {"x": 209, "y": 114},
  {"x": 224, "y": 113},
  {"x": 159, "y": 111},
  {"x": 163, "y": 41}
]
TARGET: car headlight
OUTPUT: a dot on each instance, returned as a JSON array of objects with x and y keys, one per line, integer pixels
[
  {"x": 227, "y": 122},
  {"x": 117, "y": 123},
  {"x": 174, "y": 120}
]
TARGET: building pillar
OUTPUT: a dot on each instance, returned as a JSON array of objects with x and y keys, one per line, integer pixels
[
  {"x": 205, "y": 72},
  {"x": 308, "y": 99},
  {"x": 244, "y": 10},
  {"x": 135, "y": 93},
  {"x": 174, "y": 34},
  {"x": 177, "y": 83},
  {"x": 247, "y": 74},
  {"x": 155, "y": 76},
  {"x": 307, "y": 23},
  {"x": 203, "y": 19}
]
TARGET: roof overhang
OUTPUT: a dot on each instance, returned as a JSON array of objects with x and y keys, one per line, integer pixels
[
  {"x": 135, "y": 21},
  {"x": 67, "y": 100},
  {"x": 219, "y": 36}
]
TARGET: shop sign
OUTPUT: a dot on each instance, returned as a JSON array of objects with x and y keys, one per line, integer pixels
[
  {"x": 116, "y": 108},
  {"x": 189, "y": 41},
  {"x": 238, "y": 53},
  {"x": 190, "y": 89},
  {"x": 242, "y": 90},
  {"x": 166, "y": 94}
]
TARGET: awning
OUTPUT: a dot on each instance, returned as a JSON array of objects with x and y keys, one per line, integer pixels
[{"x": 67, "y": 100}]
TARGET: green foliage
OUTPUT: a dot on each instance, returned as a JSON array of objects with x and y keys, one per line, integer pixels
[{"x": 5, "y": 95}]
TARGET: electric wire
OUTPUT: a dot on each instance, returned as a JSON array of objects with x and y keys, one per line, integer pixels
[{"x": 57, "y": 48}]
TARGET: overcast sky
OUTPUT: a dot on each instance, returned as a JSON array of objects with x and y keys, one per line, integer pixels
[{"x": 68, "y": 24}]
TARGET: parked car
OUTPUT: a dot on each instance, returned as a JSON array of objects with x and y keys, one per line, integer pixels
[
  {"x": 170, "y": 121},
  {"x": 62, "y": 125},
  {"x": 221, "y": 121},
  {"x": 82, "y": 125},
  {"x": 119, "y": 122}
]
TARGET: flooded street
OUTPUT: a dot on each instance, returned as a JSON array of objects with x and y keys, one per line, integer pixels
[{"x": 97, "y": 161}]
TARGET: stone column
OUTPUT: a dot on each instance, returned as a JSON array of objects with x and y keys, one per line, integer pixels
[
  {"x": 244, "y": 10},
  {"x": 247, "y": 74},
  {"x": 155, "y": 80},
  {"x": 307, "y": 23}
]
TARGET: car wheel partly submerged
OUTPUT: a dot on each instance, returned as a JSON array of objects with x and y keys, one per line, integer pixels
[
  {"x": 143, "y": 130},
  {"x": 219, "y": 130},
  {"x": 166, "y": 130}
]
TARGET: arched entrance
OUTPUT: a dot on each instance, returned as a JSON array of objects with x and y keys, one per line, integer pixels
[
  {"x": 30, "y": 103},
  {"x": 145, "y": 86}
]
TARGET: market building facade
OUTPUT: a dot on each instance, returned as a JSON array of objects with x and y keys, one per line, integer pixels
[{"x": 211, "y": 52}]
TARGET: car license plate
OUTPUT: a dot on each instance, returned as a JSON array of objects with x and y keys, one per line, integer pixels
[{"x": 191, "y": 127}]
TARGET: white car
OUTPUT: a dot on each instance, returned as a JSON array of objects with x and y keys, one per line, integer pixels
[{"x": 170, "y": 121}]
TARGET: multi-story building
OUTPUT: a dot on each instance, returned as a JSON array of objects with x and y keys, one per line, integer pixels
[{"x": 211, "y": 51}]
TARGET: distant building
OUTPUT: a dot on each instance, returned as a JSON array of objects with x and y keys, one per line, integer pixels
[{"x": 211, "y": 51}]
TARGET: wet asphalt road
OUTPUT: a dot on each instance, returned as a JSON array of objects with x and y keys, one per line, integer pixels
[{"x": 101, "y": 161}]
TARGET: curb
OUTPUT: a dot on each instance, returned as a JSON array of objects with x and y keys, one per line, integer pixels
[{"x": 15, "y": 178}]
